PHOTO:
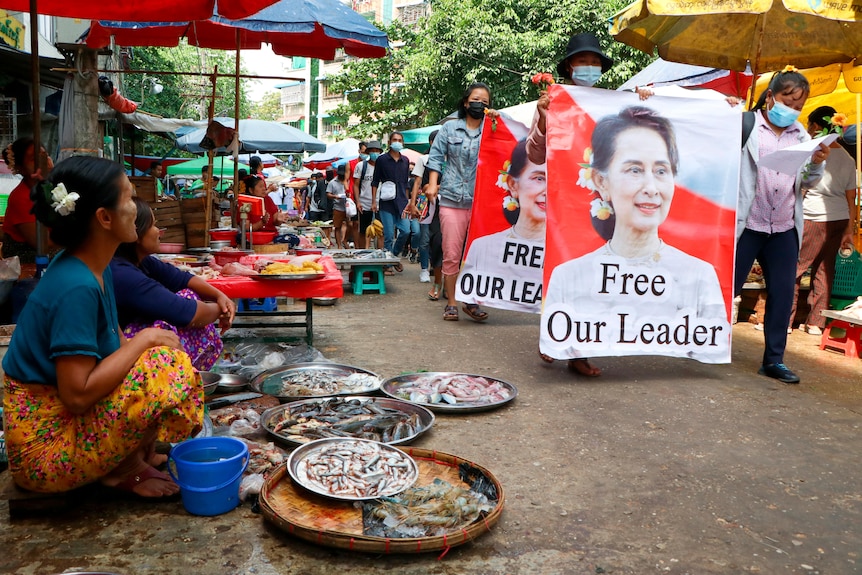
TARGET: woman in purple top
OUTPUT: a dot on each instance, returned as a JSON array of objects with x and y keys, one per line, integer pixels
[{"x": 152, "y": 293}]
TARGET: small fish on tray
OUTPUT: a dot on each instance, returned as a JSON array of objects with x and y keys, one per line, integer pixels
[
  {"x": 314, "y": 379},
  {"x": 430, "y": 510},
  {"x": 379, "y": 419},
  {"x": 352, "y": 469}
]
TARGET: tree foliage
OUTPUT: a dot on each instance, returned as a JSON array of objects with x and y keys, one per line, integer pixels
[
  {"x": 377, "y": 96},
  {"x": 268, "y": 107},
  {"x": 182, "y": 96},
  {"x": 499, "y": 42}
]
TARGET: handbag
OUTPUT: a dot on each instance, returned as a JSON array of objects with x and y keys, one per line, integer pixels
[
  {"x": 350, "y": 208},
  {"x": 387, "y": 191}
]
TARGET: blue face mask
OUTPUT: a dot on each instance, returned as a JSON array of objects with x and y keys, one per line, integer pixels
[
  {"x": 363, "y": 157},
  {"x": 373, "y": 156},
  {"x": 781, "y": 115},
  {"x": 586, "y": 75},
  {"x": 396, "y": 146}
]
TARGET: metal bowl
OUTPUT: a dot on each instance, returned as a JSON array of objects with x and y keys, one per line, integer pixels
[
  {"x": 296, "y": 464},
  {"x": 219, "y": 245},
  {"x": 231, "y": 382},
  {"x": 211, "y": 382},
  {"x": 272, "y": 381},
  {"x": 394, "y": 387},
  {"x": 271, "y": 417}
]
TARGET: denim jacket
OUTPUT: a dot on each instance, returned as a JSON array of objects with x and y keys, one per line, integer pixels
[{"x": 455, "y": 147}]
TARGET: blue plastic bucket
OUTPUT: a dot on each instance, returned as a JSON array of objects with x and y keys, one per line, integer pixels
[{"x": 209, "y": 471}]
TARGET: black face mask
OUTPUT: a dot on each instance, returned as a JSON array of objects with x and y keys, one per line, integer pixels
[{"x": 476, "y": 109}]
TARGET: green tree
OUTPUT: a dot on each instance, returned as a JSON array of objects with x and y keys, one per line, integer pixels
[
  {"x": 268, "y": 108},
  {"x": 182, "y": 96},
  {"x": 379, "y": 100},
  {"x": 503, "y": 43}
]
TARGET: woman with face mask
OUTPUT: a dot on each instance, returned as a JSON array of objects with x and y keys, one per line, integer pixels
[
  {"x": 769, "y": 210},
  {"x": 583, "y": 65},
  {"x": 457, "y": 146}
]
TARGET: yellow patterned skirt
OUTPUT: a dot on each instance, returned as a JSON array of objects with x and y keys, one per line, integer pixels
[{"x": 52, "y": 450}]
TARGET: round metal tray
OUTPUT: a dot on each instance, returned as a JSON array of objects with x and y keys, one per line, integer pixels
[
  {"x": 272, "y": 416},
  {"x": 231, "y": 382},
  {"x": 392, "y": 387},
  {"x": 269, "y": 382},
  {"x": 295, "y": 464}
]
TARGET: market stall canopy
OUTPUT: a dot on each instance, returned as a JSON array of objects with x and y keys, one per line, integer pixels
[
  {"x": 663, "y": 73},
  {"x": 728, "y": 35},
  {"x": 139, "y": 10},
  {"x": 347, "y": 148},
  {"x": 222, "y": 167},
  {"x": 257, "y": 136},
  {"x": 311, "y": 28}
]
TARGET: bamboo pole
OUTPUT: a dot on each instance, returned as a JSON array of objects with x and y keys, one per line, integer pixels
[{"x": 210, "y": 156}]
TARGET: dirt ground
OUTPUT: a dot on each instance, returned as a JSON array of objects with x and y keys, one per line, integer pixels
[{"x": 658, "y": 466}]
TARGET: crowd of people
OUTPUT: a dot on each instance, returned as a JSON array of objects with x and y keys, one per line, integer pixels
[{"x": 104, "y": 359}]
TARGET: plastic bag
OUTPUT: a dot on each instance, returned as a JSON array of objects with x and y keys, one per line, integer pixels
[
  {"x": 350, "y": 208},
  {"x": 250, "y": 485},
  {"x": 10, "y": 269}
]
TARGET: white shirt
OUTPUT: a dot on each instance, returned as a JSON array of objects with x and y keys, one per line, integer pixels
[
  {"x": 826, "y": 201},
  {"x": 365, "y": 184}
]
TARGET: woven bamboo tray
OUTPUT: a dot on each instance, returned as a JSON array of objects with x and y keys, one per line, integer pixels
[{"x": 339, "y": 524}]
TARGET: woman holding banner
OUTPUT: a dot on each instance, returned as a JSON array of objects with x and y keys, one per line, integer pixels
[
  {"x": 457, "y": 146},
  {"x": 636, "y": 292}
]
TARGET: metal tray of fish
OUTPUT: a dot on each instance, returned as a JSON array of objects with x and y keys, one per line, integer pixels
[
  {"x": 450, "y": 392},
  {"x": 352, "y": 469},
  {"x": 314, "y": 379},
  {"x": 382, "y": 419}
]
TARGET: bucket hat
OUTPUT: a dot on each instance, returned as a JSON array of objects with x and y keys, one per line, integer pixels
[
  {"x": 374, "y": 145},
  {"x": 584, "y": 42}
]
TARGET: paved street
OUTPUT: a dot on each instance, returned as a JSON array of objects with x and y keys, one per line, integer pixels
[{"x": 659, "y": 466}]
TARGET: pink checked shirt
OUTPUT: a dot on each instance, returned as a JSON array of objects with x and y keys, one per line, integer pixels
[{"x": 774, "y": 199}]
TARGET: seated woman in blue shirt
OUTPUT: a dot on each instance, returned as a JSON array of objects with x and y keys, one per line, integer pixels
[
  {"x": 152, "y": 293},
  {"x": 81, "y": 402}
]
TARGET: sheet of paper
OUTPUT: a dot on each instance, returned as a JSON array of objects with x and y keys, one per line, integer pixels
[{"x": 791, "y": 158}]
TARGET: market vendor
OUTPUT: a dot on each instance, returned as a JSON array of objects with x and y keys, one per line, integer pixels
[
  {"x": 152, "y": 293},
  {"x": 271, "y": 217},
  {"x": 19, "y": 224},
  {"x": 81, "y": 402}
]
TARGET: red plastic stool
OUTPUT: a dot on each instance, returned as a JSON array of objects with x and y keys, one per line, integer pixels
[{"x": 850, "y": 343}]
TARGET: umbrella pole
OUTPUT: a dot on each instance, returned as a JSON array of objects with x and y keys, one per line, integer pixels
[
  {"x": 857, "y": 216},
  {"x": 40, "y": 162},
  {"x": 236, "y": 126},
  {"x": 210, "y": 156}
]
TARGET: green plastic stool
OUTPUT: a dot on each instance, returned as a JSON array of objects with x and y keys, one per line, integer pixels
[{"x": 360, "y": 286}]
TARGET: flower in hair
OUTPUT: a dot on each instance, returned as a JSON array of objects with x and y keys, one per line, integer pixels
[
  {"x": 601, "y": 209},
  {"x": 585, "y": 174},
  {"x": 789, "y": 68},
  {"x": 63, "y": 201}
]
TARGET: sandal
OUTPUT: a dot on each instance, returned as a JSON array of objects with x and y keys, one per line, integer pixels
[
  {"x": 398, "y": 267},
  {"x": 388, "y": 272},
  {"x": 434, "y": 294},
  {"x": 450, "y": 313},
  {"x": 475, "y": 313},
  {"x": 583, "y": 367},
  {"x": 546, "y": 358}
]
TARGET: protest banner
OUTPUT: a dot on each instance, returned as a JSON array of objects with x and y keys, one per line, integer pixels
[
  {"x": 503, "y": 259},
  {"x": 640, "y": 225}
]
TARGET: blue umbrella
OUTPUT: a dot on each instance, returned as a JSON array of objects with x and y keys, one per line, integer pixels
[{"x": 257, "y": 136}]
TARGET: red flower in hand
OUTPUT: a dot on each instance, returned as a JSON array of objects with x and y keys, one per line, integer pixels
[{"x": 543, "y": 80}]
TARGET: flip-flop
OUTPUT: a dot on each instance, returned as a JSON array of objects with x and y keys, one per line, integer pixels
[
  {"x": 450, "y": 313},
  {"x": 475, "y": 313},
  {"x": 398, "y": 267},
  {"x": 582, "y": 366},
  {"x": 434, "y": 294},
  {"x": 546, "y": 358}
]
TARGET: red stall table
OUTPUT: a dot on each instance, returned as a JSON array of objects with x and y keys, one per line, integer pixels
[{"x": 329, "y": 285}]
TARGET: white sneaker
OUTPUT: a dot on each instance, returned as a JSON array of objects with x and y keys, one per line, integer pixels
[
  {"x": 735, "y": 309},
  {"x": 424, "y": 277},
  {"x": 813, "y": 330}
]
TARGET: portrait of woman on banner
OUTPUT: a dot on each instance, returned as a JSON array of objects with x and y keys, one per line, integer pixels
[
  {"x": 504, "y": 269},
  {"x": 635, "y": 294}
]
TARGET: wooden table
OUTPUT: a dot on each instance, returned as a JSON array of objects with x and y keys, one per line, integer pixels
[{"x": 327, "y": 286}]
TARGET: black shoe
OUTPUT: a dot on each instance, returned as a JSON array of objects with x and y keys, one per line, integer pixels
[{"x": 780, "y": 372}]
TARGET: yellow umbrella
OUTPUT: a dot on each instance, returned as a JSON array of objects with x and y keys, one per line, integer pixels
[{"x": 731, "y": 34}]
